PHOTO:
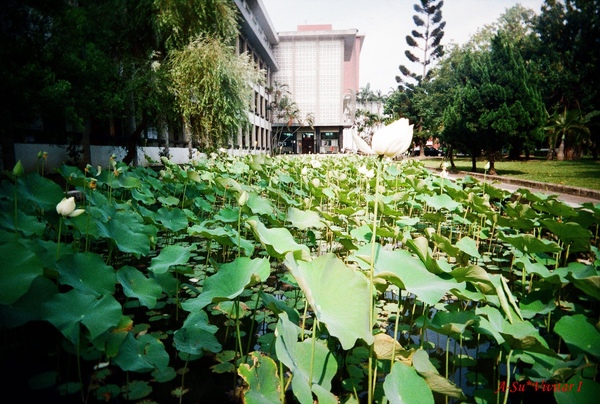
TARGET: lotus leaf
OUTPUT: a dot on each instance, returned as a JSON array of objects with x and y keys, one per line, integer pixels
[
  {"x": 136, "y": 285},
  {"x": 277, "y": 241},
  {"x": 196, "y": 335},
  {"x": 68, "y": 310},
  {"x": 404, "y": 385},
  {"x": 262, "y": 380},
  {"x": 298, "y": 356},
  {"x": 169, "y": 256},
  {"x": 579, "y": 333},
  {"x": 19, "y": 270},
  {"x": 142, "y": 354},
  {"x": 230, "y": 281},
  {"x": 334, "y": 291},
  {"x": 87, "y": 273},
  {"x": 407, "y": 272}
]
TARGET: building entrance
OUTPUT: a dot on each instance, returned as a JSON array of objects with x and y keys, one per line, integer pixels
[{"x": 308, "y": 143}]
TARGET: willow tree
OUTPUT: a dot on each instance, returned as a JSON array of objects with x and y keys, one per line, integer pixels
[
  {"x": 210, "y": 82},
  {"x": 212, "y": 88}
]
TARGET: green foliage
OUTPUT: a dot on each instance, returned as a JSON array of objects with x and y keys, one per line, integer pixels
[{"x": 166, "y": 279}]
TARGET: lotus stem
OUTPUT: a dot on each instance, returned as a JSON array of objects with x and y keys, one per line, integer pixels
[
  {"x": 396, "y": 328},
  {"x": 281, "y": 382},
  {"x": 371, "y": 278},
  {"x": 303, "y": 320},
  {"x": 312, "y": 352},
  {"x": 507, "y": 376},
  {"x": 237, "y": 326},
  {"x": 183, "y": 378},
  {"x": 447, "y": 360}
]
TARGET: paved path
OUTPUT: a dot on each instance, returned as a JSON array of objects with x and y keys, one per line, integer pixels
[{"x": 571, "y": 195}]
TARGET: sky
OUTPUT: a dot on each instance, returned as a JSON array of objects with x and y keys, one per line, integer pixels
[{"x": 385, "y": 24}]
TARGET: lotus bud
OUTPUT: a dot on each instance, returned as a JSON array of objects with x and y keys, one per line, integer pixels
[
  {"x": 487, "y": 166},
  {"x": 304, "y": 171},
  {"x": 18, "y": 169},
  {"x": 66, "y": 207},
  {"x": 316, "y": 182},
  {"x": 243, "y": 198}
]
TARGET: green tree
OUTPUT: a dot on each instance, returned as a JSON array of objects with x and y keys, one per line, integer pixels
[
  {"x": 410, "y": 101},
  {"x": 74, "y": 66},
  {"x": 568, "y": 61},
  {"x": 498, "y": 105},
  {"x": 284, "y": 112},
  {"x": 570, "y": 130},
  {"x": 426, "y": 37}
]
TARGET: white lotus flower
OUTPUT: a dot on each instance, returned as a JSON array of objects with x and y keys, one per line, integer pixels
[
  {"x": 304, "y": 171},
  {"x": 315, "y": 163},
  {"x": 366, "y": 172},
  {"x": 316, "y": 182},
  {"x": 487, "y": 166},
  {"x": 66, "y": 207},
  {"x": 391, "y": 140}
]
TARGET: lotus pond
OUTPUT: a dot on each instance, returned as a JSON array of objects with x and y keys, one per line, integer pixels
[{"x": 331, "y": 279}]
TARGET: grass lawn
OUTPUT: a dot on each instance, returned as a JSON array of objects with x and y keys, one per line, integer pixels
[{"x": 583, "y": 173}]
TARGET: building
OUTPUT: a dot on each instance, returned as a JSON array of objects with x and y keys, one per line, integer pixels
[
  {"x": 258, "y": 38},
  {"x": 320, "y": 67}
]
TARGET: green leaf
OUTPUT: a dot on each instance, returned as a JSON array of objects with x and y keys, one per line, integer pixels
[
  {"x": 41, "y": 191},
  {"x": 582, "y": 391},
  {"x": 443, "y": 201},
  {"x": 587, "y": 284},
  {"x": 579, "y": 334},
  {"x": 260, "y": 205},
  {"x": 66, "y": 311},
  {"x": 437, "y": 383},
  {"x": 19, "y": 268},
  {"x": 142, "y": 354},
  {"x": 196, "y": 335},
  {"x": 136, "y": 285},
  {"x": 169, "y": 256},
  {"x": 468, "y": 246},
  {"x": 136, "y": 389},
  {"x": 452, "y": 323},
  {"x": 172, "y": 218},
  {"x": 404, "y": 385},
  {"x": 278, "y": 241},
  {"x": 87, "y": 273},
  {"x": 407, "y": 272},
  {"x": 530, "y": 244},
  {"x": 297, "y": 357},
  {"x": 168, "y": 201},
  {"x": 262, "y": 380},
  {"x": 230, "y": 281},
  {"x": 127, "y": 230},
  {"x": 304, "y": 219},
  {"x": 338, "y": 295}
]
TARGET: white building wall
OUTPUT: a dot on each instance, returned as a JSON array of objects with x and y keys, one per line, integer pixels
[{"x": 313, "y": 70}]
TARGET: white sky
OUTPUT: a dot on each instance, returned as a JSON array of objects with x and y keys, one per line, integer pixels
[{"x": 385, "y": 24}]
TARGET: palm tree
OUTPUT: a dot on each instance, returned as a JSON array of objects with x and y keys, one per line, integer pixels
[{"x": 571, "y": 127}]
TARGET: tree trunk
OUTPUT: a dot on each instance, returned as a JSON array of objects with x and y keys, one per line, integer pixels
[
  {"x": 560, "y": 156},
  {"x": 451, "y": 157},
  {"x": 86, "y": 152},
  {"x": 133, "y": 141},
  {"x": 187, "y": 135}
]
